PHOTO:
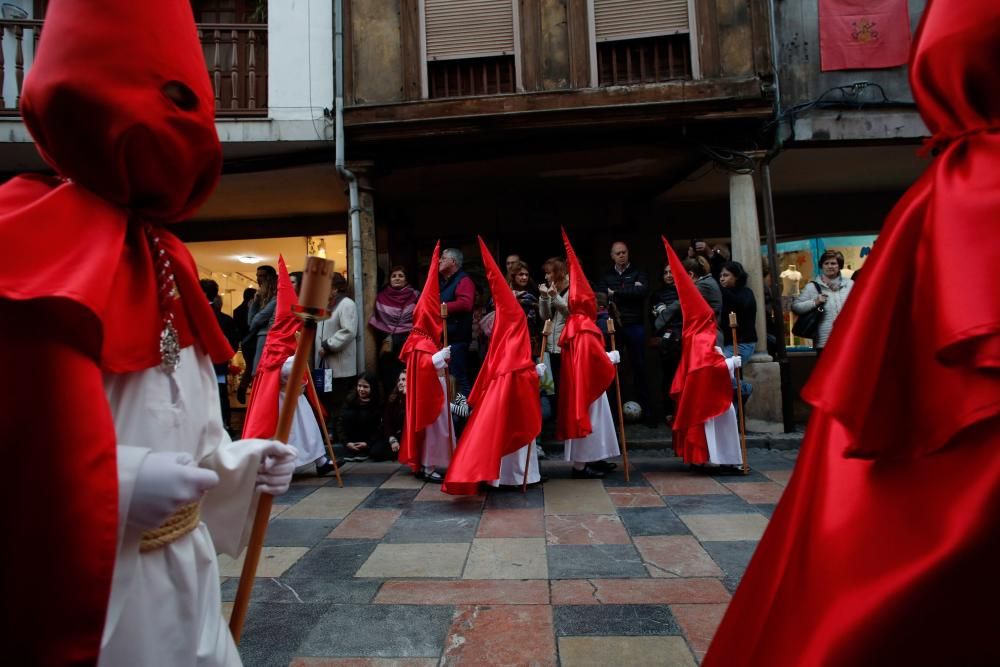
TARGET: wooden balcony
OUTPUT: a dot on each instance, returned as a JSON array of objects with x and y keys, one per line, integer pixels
[{"x": 235, "y": 53}]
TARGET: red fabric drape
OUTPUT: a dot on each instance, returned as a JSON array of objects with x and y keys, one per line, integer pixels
[
  {"x": 424, "y": 397},
  {"x": 586, "y": 371},
  {"x": 863, "y": 34},
  {"x": 882, "y": 546},
  {"x": 506, "y": 399},
  {"x": 701, "y": 387}
]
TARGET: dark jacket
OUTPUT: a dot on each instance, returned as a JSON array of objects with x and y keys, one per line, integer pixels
[
  {"x": 360, "y": 423},
  {"x": 670, "y": 318},
  {"x": 228, "y": 327},
  {"x": 739, "y": 300},
  {"x": 629, "y": 298},
  {"x": 709, "y": 289},
  {"x": 459, "y": 324}
]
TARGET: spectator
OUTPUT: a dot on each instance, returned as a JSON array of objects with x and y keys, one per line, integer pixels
[
  {"x": 296, "y": 278},
  {"x": 392, "y": 321},
  {"x": 553, "y": 305},
  {"x": 359, "y": 426},
  {"x": 261, "y": 314},
  {"x": 393, "y": 420},
  {"x": 627, "y": 287},
  {"x": 211, "y": 290},
  {"x": 738, "y": 298},
  {"x": 716, "y": 256},
  {"x": 336, "y": 347},
  {"x": 830, "y": 291},
  {"x": 700, "y": 271},
  {"x": 240, "y": 318},
  {"x": 667, "y": 323},
  {"x": 512, "y": 259},
  {"x": 458, "y": 293},
  {"x": 526, "y": 293}
]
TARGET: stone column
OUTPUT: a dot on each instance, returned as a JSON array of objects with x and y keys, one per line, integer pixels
[
  {"x": 369, "y": 259},
  {"x": 745, "y": 234}
]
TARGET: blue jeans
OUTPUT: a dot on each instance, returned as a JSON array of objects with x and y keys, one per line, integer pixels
[
  {"x": 746, "y": 351},
  {"x": 459, "y": 367}
]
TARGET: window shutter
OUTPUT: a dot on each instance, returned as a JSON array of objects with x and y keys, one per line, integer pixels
[
  {"x": 633, "y": 19},
  {"x": 468, "y": 28}
]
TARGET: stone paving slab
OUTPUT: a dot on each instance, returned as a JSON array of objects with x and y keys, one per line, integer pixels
[
  {"x": 725, "y": 527},
  {"x": 716, "y": 504},
  {"x": 466, "y": 592},
  {"x": 273, "y": 561},
  {"x": 309, "y": 589},
  {"x": 366, "y": 524},
  {"x": 585, "y": 529},
  {"x": 683, "y": 484},
  {"x": 261, "y": 646},
  {"x": 501, "y": 635},
  {"x": 758, "y": 492},
  {"x": 328, "y": 503},
  {"x": 507, "y": 558},
  {"x": 415, "y": 560},
  {"x": 437, "y": 529},
  {"x": 652, "y": 521},
  {"x": 614, "y": 619},
  {"x": 779, "y": 476},
  {"x": 577, "y": 496},
  {"x": 644, "y": 651},
  {"x": 638, "y": 591},
  {"x": 733, "y": 557},
  {"x": 676, "y": 556},
  {"x": 634, "y": 496},
  {"x": 382, "y": 499},
  {"x": 286, "y": 532},
  {"x": 594, "y": 561},
  {"x": 403, "y": 479},
  {"x": 511, "y": 499},
  {"x": 512, "y": 523},
  {"x": 699, "y": 623},
  {"x": 399, "y": 631},
  {"x": 333, "y": 559},
  {"x": 363, "y": 662}
]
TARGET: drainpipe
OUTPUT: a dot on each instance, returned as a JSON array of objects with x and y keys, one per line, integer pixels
[{"x": 347, "y": 175}]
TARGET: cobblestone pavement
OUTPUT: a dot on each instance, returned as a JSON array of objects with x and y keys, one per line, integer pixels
[{"x": 390, "y": 571}]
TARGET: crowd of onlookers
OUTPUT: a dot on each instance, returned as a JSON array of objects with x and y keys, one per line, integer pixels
[{"x": 365, "y": 410}]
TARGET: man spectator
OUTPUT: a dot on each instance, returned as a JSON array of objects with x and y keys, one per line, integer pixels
[
  {"x": 228, "y": 326},
  {"x": 458, "y": 293},
  {"x": 513, "y": 260},
  {"x": 241, "y": 312},
  {"x": 626, "y": 287}
]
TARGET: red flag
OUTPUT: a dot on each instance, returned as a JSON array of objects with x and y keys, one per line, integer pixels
[
  {"x": 506, "y": 400},
  {"x": 262, "y": 411},
  {"x": 701, "y": 387},
  {"x": 863, "y": 34},
  {"x": 424, "y": 397},
  {"x": 894, "y": 505},
  {"x": 586, "y": 371}
]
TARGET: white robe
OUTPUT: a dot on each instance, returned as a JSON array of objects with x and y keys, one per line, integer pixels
[
  {"x": 305, "y": 435},
  {"x": 165, "y": 608},
  {"x": 723, "y": 434},
  {"x": 602, "y": 443},
  {"x": 512, "y": 467},
  {"x": 439, "y": 437}
]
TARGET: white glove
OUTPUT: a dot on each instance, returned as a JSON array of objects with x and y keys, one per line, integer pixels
[
  {"x": 615, "y": 357},
  {"x": 441, "y": 357},
  {"x": 737, "y": 361},
  {"x": 165, "y": 482},
  {"x": 277, "y": 463},
  {"x": 540, "y": 369}
]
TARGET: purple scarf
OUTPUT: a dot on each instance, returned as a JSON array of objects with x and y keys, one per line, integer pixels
[{"x": 394, "y": 310}]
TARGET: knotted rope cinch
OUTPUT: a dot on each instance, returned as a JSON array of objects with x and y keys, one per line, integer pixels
[{"x": 177, "y": 525}]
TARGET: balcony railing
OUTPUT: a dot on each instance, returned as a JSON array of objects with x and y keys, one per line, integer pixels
[{"x": 236, "y": 55}]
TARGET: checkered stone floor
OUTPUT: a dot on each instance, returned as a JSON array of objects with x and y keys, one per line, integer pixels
[{"x": 390, "y": 571}]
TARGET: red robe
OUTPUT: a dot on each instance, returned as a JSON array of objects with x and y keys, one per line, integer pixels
[{"x": 882, "y": 549}]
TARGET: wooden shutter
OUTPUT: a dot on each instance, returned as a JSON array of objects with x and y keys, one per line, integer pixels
[
  {"x": 468, "y": 28},
  {"x": 633, "y": 19}
]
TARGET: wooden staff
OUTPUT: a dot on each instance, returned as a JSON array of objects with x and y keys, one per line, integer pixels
[
  {"x": 546, "y": 332},
  {"x": 733, "y": 324},
  {"x": 314, "y": 402},
  {"x": 314, "y": 298},
  {"x": 618, "y": 393},
  {"x": 449, "y": 394}
]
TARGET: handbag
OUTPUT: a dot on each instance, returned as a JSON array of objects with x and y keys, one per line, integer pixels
[{"x": 807, "y": 325}]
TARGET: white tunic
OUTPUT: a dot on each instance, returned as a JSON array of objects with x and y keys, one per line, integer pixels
[
  {"x": 305, "y": 435},
  {"x": 165, "y": 608},
  {"x": 602, "y": 443},
  {"x": 439, "y": 437},
  {"x": 723, "y": 432},
  {"x": 512, "y": 467}
]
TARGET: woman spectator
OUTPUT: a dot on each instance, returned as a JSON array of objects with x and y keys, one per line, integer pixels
[
  {"x": 553, "y": 304},
  {"x": 701, "y": 273},
  {"x": 359, "y": 426},
  {"x": 392, "y": 321},
  {"x": 386, "y": 448},
  {"x": 526, "y": 293},
  {"x": 830, "y": 291},
  {"x": 667, "y": 322},
  {"x": 738, "y": 298},
  {"x": 261, "y": 316}
]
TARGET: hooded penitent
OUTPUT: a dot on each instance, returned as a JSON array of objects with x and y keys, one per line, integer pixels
[
  {"x": 883, "y": 547},
  {"x": 424, "y": 397},
  {"x": 586, "y": 371},
  {"x": 506, "y": 400},
  {"x": 701, "y": 387},
  {"x": 262, "y": 411},
  {"x": 119, "y": 103}
]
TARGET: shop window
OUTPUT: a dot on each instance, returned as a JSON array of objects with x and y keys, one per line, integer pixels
[
  {"x": 468, "y": 47},
  {"x": 642, "y": 41}
]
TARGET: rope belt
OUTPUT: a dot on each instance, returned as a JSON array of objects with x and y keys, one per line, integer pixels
[{"x": 177, "y": 525}]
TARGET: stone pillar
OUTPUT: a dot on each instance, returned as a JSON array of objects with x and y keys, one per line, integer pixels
[
  {"x": 369, "y": 259},
  {"x": 745, "y": 233}
]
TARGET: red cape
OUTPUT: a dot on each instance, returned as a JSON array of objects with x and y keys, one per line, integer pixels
[
  {"x": 506, "y": 399},
  {"x": 424, "y": 397},
  {"x": 586, "y": 371},
  {"x": 78, "y": 294},
  {"x": 701, "y": 388},
  {"x": 881, "y": 550},
  {"x": 262, "y": 411}
]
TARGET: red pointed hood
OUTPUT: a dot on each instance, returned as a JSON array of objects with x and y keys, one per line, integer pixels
[
  {"x": 118, "y": 100},
  {"x": 586, "y": 370},
  {"x": 427, "y": 322}
]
